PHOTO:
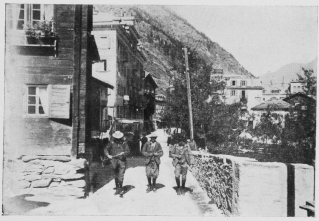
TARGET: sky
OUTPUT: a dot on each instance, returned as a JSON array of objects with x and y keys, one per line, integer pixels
[{"x": 261, "y": 38}]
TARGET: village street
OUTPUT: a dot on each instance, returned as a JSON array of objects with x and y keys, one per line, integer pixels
[{"x": 136, "y": 201}]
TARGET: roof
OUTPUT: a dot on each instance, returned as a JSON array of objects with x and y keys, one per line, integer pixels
[
  {"x": 94, "y": 51},
  {"x": 268, "y": 89},
  {"x": 150, "y": 78},
  {"x": 102, "y": 83},
  {"x": 275, "y": 104},
  {"x": 299, "y": 94},
  {"x": 237, "y": 76}
]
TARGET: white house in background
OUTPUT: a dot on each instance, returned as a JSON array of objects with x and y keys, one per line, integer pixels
[
  {"x": 275, "y": 91},
  {"x": 296, "y": 87},
  {"x": 241, "y": 88}
]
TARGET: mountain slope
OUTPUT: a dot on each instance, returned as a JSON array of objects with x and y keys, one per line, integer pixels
[
  {"x": 287, "y": 73},
  {"x": 164, "y": 33}
]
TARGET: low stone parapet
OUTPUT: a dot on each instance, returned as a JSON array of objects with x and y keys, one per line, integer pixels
[{"x": 246, "y": 187}]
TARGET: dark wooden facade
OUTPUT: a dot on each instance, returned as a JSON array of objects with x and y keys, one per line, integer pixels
[
  {"x": 149, "y": 86},
  {"x": 64, "y": 76}
]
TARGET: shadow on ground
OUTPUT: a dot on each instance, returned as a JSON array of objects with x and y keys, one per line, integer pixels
[
  {"x": 19, "y": 205},
  {"x": 127, "y": 189},
  {"x": 104, "y": 175},
  {"x": 187, "y": 189}
]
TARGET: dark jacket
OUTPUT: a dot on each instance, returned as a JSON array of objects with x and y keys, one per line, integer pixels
[
  {"x": 147, "y": 152},
  {"x": 114, "y": 148},
  {"x": 143, "y": 140}
]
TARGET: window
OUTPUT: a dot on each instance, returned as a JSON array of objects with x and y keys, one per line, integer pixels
[
  {"x": 233, "y": 83},
  {"x": 19, "y": 14},
  {"x": 243, "y": 83},
  {"x": 47, "y": 101},
  {"x": 37, "y": 103},
  {"x": 99, "y": 66},
  {"x": 233, "y": 93}
]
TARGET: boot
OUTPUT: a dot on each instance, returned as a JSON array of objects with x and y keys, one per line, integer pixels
[
  {"x": 183, "y": 190},
  {"x": 121, "y": 189},
  {"x": 149, "y": 188},
  {"x": 116, "y": 184},
  {"x": 178, "y": 185},
  {"x": 154, "y": 185},
  {"x": 117, "y": 189}
]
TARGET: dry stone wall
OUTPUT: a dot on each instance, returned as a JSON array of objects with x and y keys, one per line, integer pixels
[
  {"x": 245, "y": 187},
  {"x": 46, "y": 176},
  {"x": 219, "y": 178}
]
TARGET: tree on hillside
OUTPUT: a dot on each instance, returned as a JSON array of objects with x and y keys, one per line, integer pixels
[{"x": 309, "y": 81}]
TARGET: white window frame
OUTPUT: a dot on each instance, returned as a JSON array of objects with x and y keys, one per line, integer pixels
[
  {"x": 28, "y": 9},
  {"x": 55, "y": 102},
  {"x": 233, "y": 93},
  {"x": 243, "y": 83},
  {"x": 37, "y": 105},
  {"x": 235, "y": 83},
  {"x": 100, "y": 66}
]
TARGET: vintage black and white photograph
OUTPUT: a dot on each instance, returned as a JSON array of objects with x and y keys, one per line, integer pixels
[{"x": 167, "y": 109}]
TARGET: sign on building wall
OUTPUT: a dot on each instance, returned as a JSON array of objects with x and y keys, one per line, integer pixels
[{"x": 59, "y": 101}]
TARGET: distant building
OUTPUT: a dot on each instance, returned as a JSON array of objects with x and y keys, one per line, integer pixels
[
  {"x": 120, "y": 65},
  {"x": 160, "y": 101},
  {"x": 278, "y": 108},
  {"x": 275, "y": 91},
  {"x": 149, "y": 87},
  {"x": 240, "y": 88},
  {"x": 302, "y": 104},
  {"x": 296, "y": 87}
]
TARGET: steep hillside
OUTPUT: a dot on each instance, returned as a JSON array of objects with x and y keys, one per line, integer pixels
[
  {"x": 287, "y": 73},
  {"x": 164, "y": 34}
]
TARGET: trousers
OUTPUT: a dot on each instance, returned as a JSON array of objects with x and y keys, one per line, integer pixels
[
  {"x": 152, "y": 170},
  {"x": 119, "y": 169},
  {"x": 180, "y": 170}
]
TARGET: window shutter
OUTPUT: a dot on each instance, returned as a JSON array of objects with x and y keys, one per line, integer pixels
[
  {"x": 59, "y": 101},
  {"x": 236, "y": 93}
]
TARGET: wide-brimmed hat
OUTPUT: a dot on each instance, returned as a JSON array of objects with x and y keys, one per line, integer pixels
[
  {"x": 153, "y": 134},
  {"x": 117, "y": 134}
]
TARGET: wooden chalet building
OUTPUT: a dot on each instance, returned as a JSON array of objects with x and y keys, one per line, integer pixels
[{"x": 52, "y": 101}]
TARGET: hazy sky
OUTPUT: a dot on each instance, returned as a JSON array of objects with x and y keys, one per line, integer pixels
[{"x": 261, "y": 38}]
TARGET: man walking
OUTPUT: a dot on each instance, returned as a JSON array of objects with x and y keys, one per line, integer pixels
[
  {"x": 152, "y": 151},
  {"x": 181, "y": 160},
  {"x": 117, "y": 150}
]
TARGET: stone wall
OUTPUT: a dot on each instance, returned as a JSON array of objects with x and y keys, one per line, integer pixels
[
  {"x": 217, "y": 176},
  {"x": 245, "y": 187},
  {"x": 45, "y": 176}
]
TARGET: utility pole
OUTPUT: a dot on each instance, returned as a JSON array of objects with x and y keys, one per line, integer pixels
[{"x": 189, "y": 95}]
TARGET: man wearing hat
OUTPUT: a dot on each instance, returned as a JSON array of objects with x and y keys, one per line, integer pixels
[
  {"x": 181, "y": 155},
  {"x": 117, "y": 151},
  {"x": 152, "y": 151}
]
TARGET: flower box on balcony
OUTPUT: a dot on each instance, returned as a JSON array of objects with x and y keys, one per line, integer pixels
[{"x": 41, "y": 40}]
